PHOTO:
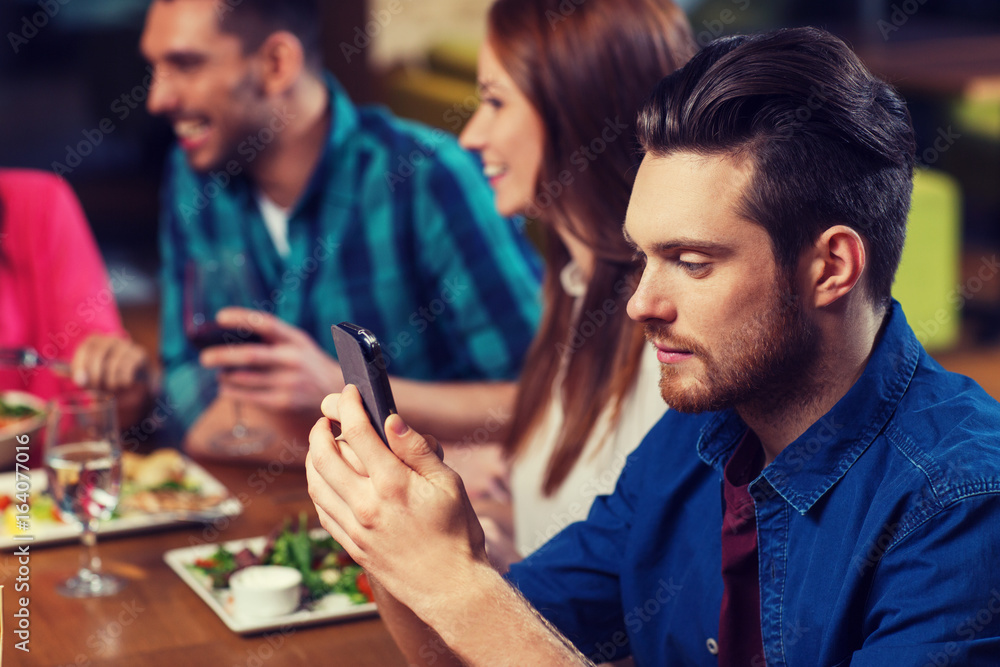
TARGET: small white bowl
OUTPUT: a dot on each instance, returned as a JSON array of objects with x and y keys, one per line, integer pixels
[{"x": 265, "y": 590}]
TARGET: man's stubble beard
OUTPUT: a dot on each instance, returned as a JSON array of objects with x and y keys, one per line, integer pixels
[
  {"x": 765, "y": 367},
  {"x": 248, "y": 94}
]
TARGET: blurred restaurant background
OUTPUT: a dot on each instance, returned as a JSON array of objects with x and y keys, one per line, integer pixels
[{"x": 73, "y": 92}]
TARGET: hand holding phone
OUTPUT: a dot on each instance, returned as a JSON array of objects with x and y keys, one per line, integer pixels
[{"x": 361, "y": 360}]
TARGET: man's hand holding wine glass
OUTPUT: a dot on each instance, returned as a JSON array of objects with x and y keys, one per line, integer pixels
[{"x": 287, "y": 372}]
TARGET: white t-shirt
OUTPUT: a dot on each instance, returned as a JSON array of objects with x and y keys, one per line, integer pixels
[
  {"x": 538, "y": 518},
  {"x": 276, "y": 221}
]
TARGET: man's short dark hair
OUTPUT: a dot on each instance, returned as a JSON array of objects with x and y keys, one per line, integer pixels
[
  {"x": 253, "y": 20},
  {"x": 829, "y": 143}
]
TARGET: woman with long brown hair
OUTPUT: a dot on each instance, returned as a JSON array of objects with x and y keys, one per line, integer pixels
[{"x": 560, "y": 86}]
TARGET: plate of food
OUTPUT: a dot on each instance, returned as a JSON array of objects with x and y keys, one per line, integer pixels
[
  {"x": 158, "y": 490},
  {"x": 21, "y": 413},
  {"x": 329, "y": 585}
]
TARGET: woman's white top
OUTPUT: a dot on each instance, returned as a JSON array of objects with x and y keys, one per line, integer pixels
[{"x": 538, "y": 518}]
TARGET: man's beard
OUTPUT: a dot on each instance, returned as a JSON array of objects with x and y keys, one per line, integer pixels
[
  {"x": 235, "y": 132},
  {"x": 765, "y": 364}
]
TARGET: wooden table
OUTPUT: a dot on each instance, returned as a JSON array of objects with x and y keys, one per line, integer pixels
[{"x": 158, "y": 620}]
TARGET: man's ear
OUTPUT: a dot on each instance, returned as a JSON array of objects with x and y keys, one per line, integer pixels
[
  {"x": 834, "y": 264},
  {"x": 282, "y": 60}
]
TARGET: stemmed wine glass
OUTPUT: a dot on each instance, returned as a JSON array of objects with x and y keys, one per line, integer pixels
[
  {"x": 83, "y": 462},
  {"x": 210, "y": 286}
]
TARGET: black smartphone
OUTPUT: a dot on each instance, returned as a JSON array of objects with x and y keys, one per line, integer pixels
[{"x": 361, "y": 361}]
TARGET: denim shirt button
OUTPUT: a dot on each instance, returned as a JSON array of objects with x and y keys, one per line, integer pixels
[{"x": 712, "y": 646}]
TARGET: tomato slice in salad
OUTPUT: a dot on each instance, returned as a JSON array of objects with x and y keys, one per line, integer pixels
[{"x": 364, "y": 587}]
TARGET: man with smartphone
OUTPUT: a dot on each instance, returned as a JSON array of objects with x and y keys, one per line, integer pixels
[
  {"x": 821, "y": 491},
  {"x": 337, "y": 213}
]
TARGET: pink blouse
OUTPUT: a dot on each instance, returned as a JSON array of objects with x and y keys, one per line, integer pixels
[{"x": 54, "y": 289}]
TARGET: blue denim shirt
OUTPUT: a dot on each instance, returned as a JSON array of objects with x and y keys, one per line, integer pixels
[{"x": 878, "y": 532}]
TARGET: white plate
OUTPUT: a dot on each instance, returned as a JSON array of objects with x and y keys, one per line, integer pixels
[
  {"x": 333, "y": 607},
  {"x": 53, "y": 533}
]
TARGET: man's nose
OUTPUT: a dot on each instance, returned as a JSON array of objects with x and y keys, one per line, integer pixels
[
  {"x": 162, "y": 96},
  {"x": 651, "y": 300}
]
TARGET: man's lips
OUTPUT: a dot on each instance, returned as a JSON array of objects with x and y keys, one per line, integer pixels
[
  {"x": 191, "y": 144},
  {"x": 671, "y": 355},
  {"x": 192, "y": 133}
]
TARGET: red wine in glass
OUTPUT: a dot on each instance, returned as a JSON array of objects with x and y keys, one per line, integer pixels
[{"x": 208, "y": 287}]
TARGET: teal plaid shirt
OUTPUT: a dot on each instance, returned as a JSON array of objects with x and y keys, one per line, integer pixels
[{"x": 396, "y": 231}]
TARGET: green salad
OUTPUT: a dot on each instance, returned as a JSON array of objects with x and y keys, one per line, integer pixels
[
  {"x": 325, "y": 566},
  {"x": 16, "y": 410}
]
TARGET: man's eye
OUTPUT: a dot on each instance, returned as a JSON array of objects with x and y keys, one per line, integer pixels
[
  {"x": 493, "y": 102},
  {"x": 184, "y": 64},
  {"x": 692, "y": 267}
]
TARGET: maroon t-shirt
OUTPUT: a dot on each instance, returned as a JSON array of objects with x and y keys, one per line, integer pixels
[{"x": 740, "y": 643}]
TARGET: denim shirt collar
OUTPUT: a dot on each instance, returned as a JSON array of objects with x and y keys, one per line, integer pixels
[
  {"x": 344, "y": 121},
  {"x": 818, "y": 458},
  {"x": 343, "y": 117}
]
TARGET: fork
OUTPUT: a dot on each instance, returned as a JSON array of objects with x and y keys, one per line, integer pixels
[{"x": 28, "y": 357}]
